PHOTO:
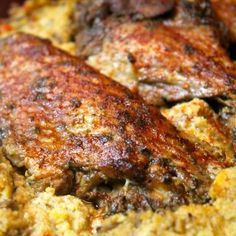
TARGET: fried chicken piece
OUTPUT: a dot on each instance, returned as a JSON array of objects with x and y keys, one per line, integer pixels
[
  {"x": 225, "y": 10},
  {"x": 160, "y": 62},
  {"x": 80, "y": 132},
  {"x": 172, "y": 59}
]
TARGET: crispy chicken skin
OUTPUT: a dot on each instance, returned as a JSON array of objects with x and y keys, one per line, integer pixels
[
  {"x": 172, "y": 59},
  {"x": 75, "y": 129}
]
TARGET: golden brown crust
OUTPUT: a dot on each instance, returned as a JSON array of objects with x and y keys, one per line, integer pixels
[{"x": 60, "y": 119}]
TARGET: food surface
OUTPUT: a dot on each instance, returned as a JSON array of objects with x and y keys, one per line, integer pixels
[
  {"x": 29, "y": 213},
  {"x": 76, "y": 130},
  {"x": 144, "y": 8},
  {"x": 228, "y": 116},
  {"x": 47, "y": 214},
  {"x": 55, "y": 215},
  {"x": 198, "y": 123},
  {"x": 164, "y": 60},
  {"x": 44, "y": 18},
  {"x": 217, "y": 218},
  {"x": 225, "y": 11},
  {"x": 82, "y": 155},
  {"x": 163, "y": 65}
]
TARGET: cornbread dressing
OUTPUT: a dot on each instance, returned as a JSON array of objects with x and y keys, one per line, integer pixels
[{"x": 45, "y": 18}]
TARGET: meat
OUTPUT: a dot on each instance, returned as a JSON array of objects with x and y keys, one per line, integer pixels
[
  {"x": 172, "y": 59},
  {"x": 80, "y": 132},
  {"x": 199, "y": 13},
  {"x": 225, "y": 10},
  {"x": 147, "y": 8},
  {"x": 166, "y": 65},
  {"x": 90, "y": 9}
]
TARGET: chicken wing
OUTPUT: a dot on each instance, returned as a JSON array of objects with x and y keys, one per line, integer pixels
[{"x": 80, "y": 132}]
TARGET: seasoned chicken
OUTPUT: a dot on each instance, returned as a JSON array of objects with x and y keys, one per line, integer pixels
[
  {"x": 170, "y": 59},
  {"x": 225, "y": 10},
  {"x": 80, "y": 132}
]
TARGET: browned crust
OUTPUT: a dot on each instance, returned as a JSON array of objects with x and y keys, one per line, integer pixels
[{"x": 60, "y": 116}]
